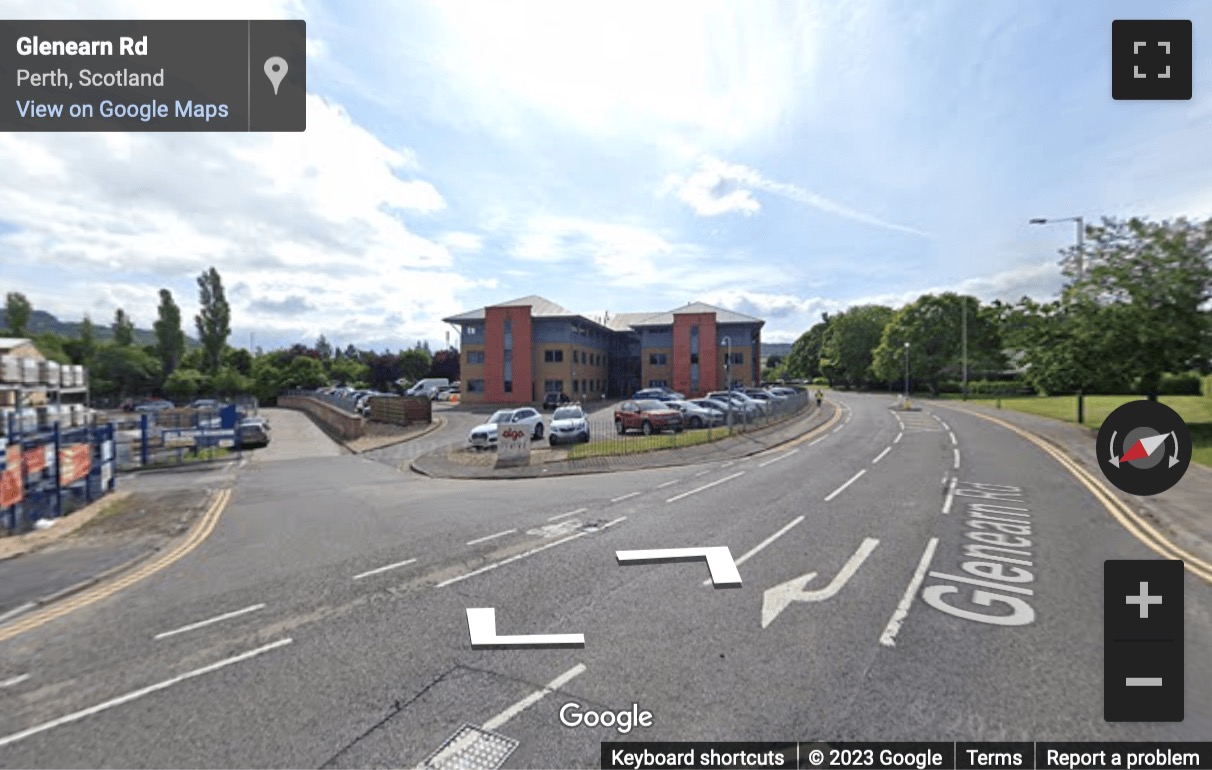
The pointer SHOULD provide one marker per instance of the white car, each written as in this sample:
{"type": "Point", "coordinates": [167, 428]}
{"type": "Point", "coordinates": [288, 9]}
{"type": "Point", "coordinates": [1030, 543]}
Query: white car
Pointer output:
{"type": "Point", "coordinates": [696, 415]}
{"type": "Point", "coordinates": [484, 436]}
{"type": "Point", "coordinates": [569, 425]}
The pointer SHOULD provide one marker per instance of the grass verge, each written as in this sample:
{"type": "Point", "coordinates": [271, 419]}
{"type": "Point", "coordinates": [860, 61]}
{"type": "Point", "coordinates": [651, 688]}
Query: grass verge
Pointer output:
{"type": "Point", "coordinates": [1196, 411]}
{"type": "Point", "coordinates": [625, 445]}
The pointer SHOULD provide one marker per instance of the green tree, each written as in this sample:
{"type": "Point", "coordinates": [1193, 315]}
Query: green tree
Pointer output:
{"type": "Point", "coordinates": [184, 384]}
{"type": "Point", "coordinates": [213, 320]}
{"type": "Point", "coordinates": [932, 325]}
{"type": "Point", "coordinates": [228, 382]}
{"type": "Point", "coordinates": [804, 361]}
{"type": "Point", "coordinates": [239, 359]}
{"type": "Point", "coordinates": [170, 338]}
{"type": "Point", "coordinates": [415, 363]}
{"type": "Point", "coordinates": [17, 312]}
{"type": "Point", "coordinates": [324, 348]}
{"type": "Point", "coordinates": [304, 372]}
{"type": "Point", "coordinates": [123, 371]}
{"type": "Point", "coordinates": [348, 370]}
{"type": "Point", "coordinates": [84, 347]}
{"type": "Point", "coordinates": [124, 328]}
{"type": "Point", "coordinates": [1151, 283]}
{"type": "Point", "coordinates": [1063, 346]}
{"type": "Point", "coordinates": [267, 379]}
{"type": "Point", "coordinates": [851, 338]}
{"type": "Point", "coordinates": [53, 346]}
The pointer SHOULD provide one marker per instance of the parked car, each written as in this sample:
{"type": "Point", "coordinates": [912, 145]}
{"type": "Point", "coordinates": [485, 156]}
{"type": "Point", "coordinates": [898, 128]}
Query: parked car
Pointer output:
{"type": "Point", "coordinates": [569, 425]}
{"type": "Point", "coordinates": [783, 391]}
{"type": "Point", "coordinates": [428, 388]}
{"type": "Point", "coordinates": [647, 416]}
{"type": "Point", "coordinates": [742, 407]}
{"type": "Point", "coordinates": [696, 415]}
{"type": "Point", "coordinates": [657, 394]}
{"type": "Point", "coordinates": [252, 431]}
{"type": "Point", "coordinates": [205, 403]}
{"type": "Point", "coordinates": [718, 405]}
{"type": "Point", "coordinates": [554, 399]}
{"type": "Point", "coordinates": [155, 405]}
{"type": "Point", "coordinates": [447, 393]}
{"type": "Point", "coordinates": [483, 436]}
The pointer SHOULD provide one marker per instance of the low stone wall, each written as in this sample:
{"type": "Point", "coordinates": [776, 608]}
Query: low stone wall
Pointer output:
{"type": "Point", "coordinates": [339, 424]}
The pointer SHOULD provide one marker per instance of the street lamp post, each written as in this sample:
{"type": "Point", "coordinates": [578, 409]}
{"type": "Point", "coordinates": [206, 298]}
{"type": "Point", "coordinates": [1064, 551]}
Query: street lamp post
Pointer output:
{"type": "Point", "coordinates": [906, 399]}
{"type": "Point", "coordinates": [1081, 273]}
{"type": "Point", "coordinates": [728, 377]}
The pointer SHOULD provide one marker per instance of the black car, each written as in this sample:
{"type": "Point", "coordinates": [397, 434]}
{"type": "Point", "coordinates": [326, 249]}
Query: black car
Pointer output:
{"type": "Point", "coordinates": [552, 400]}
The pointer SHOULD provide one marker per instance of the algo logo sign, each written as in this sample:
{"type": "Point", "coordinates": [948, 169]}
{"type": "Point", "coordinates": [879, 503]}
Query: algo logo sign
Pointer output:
{"type": "Point", "coordinates": [513, 434]}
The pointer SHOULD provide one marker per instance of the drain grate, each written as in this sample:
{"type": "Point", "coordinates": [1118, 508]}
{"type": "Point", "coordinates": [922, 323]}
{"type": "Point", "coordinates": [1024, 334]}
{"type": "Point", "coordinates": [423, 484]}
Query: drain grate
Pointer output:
{"type": "Point", "coordinates": [471, 748]}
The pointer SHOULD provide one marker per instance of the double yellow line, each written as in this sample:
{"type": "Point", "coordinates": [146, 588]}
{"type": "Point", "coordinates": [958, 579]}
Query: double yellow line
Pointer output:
{"type": "Point", "coordinates": [1137, 526]}
{"type": "Point", "coordinates": [200, 532]}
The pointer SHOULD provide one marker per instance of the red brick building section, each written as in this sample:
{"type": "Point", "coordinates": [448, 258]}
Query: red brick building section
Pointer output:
{"type": "Point", "coordinates": [682, 356]}
{"type": "Point", "coordinates": [522, 356]}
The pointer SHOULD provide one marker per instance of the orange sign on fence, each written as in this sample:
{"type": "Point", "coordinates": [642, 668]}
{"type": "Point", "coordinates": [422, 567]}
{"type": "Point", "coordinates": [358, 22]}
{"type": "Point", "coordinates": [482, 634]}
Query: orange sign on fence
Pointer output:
{"type": "Point", "coordinates": [35, 460]}
{"type": "Point", "coordinates": [74, 463]}
{"type": "Point", "coordinates": [12, 489]}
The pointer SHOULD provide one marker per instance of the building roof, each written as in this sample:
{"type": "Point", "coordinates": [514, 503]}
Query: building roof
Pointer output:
{"type": "Point", "coordinates": [540, 307]}
{"type": "Point", "coordinates": [722, 315]}
{"type": "Point", "coordinates": [8, 343]}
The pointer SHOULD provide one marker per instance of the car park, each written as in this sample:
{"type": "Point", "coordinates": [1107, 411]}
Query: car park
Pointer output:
{"type": "Point", "coordinates": [155, 405]}
{"type": "Point", "coordinates": [647, 416]}
{"type": "Point", "coordinates": [738, 396]}
{"type": "Point", "coordinates": [696, 415]}
{"type": "Point", "coordinates": [657, 394]}
{"type": "Point", "coordinates": [554, 399]}
{"type": "Point", "coordinates": [569, 425]}
{"type": "Point", "coordinates": [747, 407]}
{"type": "Point", "coordinates": [484, 436]}
{"type": "Point", "coordinates": [204, 403]}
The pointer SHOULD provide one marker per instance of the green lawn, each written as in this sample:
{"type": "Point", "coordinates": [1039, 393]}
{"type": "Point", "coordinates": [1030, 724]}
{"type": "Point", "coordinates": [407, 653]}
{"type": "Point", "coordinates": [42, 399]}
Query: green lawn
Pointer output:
{"type": "Point", "coordinates": [624, 445]}
{"type": "Point", "coordinates": [1196, 411]}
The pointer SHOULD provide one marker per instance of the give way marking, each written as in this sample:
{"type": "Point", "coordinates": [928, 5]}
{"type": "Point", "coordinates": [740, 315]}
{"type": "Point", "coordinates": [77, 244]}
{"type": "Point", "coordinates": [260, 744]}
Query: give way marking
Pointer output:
{"type": "Point", "coordinates": [780, 597]}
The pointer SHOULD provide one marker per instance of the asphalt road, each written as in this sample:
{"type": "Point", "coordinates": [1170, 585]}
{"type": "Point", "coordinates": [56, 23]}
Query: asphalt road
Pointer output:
{"type": "Point", "coordinates": [337, 590]}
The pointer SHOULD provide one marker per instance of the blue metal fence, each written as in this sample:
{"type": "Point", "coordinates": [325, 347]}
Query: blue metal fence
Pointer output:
{"type": "Point", "coordinates": [48, 473]}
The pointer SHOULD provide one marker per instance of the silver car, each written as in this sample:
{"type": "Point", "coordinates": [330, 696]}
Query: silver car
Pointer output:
{"type": "Point", "coordinates": [569, 425]}
{"type": "Point", "coordinates": [698, 415]}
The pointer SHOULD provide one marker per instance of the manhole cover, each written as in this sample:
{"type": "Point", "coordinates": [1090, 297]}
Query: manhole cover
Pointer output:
{"type": "Point", "coordinates": [471, 748]}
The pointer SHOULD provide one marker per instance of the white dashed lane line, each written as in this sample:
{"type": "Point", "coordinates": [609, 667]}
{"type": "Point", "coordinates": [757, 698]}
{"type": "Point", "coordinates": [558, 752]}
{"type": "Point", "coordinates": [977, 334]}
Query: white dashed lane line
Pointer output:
{"type": "Point", "coordinates": [377, 570]}
{"type": "Point", "coordinates": [783, 456]}
{"type": "Point", "coordinates": [209, 621]}
{"type": "Point", "coordinates": [880, 456]}
{"type": "Point", "coordinates": [702, 473]}
{"type": "Point", "coordinates": [667, 484]}
{"type": "Point", "coordinates": [130, 696]}
{"type": "Point", "coordinates": [897, 440]}
{"type": "Point", "coordinates": [566, 515]}
{"type": "Point", "coordinates": [748, 554]}
{"type": "Point", "coordinates": [952, 435]}
{"type": "Point", "coordinates": [838, 491]}
{"type": "Point", "coordinates": [705, 486]}
{"type": "Point", "coordinates": [957, 459]}
{"type": "Point", "coordinates": [888, 638]}
{"type": "Point", "coordinates": [486, 538]}
{"type": "Point", "coordinates": [524, 554]}
{"type": "Point", "coordinates": [11, 681]}
{"type": "Point", "coordinates": [950, 495]}
{"type": "Point", "coordinates": [623, 497]}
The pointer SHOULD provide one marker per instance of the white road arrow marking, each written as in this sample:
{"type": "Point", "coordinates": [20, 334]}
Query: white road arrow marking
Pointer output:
{"type": "Point", "coordinates": [781, 596]}
{"type": "Point", "coordinates": [482, 622]}
{"type": "Point", "coordinates": [719, 561]}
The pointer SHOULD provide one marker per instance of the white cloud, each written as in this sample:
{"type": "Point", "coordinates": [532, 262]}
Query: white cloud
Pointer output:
{"type": "Point", "coordinates": [717, 187]}
{"type": "Point", "coordinates": [468, 243]}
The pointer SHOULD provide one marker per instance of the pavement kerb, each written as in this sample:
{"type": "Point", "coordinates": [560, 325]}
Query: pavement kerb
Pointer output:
{"type": "Point", "coordinates": [131, 572]}
{"type": "Point", "coordinates": [76, 588]}
{"type": "Point", "coordinates": [437, 424]}
{"type": "Point", "coordinates": [808, 433]}
{"type": "Point", "coordinates": [66, 526]}
{"type": "Point", "coordinates": [1136, 525]}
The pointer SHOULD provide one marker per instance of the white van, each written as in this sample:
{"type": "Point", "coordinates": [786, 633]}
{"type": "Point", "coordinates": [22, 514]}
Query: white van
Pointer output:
{"type": "Point", "coordinates": [428, 388]}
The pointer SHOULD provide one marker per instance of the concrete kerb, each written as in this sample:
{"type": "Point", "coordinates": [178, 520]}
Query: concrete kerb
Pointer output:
{"type": "Point", "coordinates": [654, 459]}
{"type": "Point", "coordinates": [76, 588]}
{"type": "Point", "coordinates": [435, 425]}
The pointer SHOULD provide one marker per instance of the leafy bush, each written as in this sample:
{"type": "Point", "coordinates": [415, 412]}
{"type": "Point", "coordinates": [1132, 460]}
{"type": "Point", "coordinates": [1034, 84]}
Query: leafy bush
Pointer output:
{"type": "Point", "coordinates": [820, 381]}
{"type": "Point", "coordinates": [1179, 385]}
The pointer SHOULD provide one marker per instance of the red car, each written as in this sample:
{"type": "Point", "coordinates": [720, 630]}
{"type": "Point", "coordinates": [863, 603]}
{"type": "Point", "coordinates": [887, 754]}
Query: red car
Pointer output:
{"type": "Point", "coordinates": [647, 416]}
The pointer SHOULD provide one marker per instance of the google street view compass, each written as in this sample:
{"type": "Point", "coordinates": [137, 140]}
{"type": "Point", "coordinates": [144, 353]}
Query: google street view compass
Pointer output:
{"type": "Point", "coordinates": [1144, 448]}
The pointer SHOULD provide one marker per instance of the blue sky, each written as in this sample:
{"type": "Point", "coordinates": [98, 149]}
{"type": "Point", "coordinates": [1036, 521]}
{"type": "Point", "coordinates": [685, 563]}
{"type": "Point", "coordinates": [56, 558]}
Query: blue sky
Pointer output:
{"type": "Point", "coordinates": [781, 159]}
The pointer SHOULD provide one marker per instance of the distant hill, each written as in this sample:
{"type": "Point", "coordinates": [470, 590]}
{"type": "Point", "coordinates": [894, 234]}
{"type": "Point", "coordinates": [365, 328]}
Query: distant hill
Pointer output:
{"type": "Point", "coordinates": [775, 349]}
{"type": "Point", "coordinates": [41, 321]}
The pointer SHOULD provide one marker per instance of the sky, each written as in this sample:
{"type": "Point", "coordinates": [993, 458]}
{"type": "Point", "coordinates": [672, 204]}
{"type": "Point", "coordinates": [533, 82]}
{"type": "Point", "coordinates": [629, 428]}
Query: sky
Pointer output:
{"type": "Point", "coordinates": [779, 159]}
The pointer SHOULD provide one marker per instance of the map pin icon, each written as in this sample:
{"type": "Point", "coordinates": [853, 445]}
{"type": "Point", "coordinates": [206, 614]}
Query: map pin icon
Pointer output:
{"type": "Point", "coordinates": [275, 70]}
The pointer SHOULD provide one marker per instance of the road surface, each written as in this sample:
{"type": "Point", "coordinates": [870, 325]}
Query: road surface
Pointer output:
{"type": "Point", "coordinates": [324, 622]}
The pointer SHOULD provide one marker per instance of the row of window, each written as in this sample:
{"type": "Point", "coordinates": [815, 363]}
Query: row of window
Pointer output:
{"type": "Point", "coordinates": [662, 359]}
{"type": "Point", "coordinates": [597, 359]}
{"type": "Point", "coordinates": [578, 386]}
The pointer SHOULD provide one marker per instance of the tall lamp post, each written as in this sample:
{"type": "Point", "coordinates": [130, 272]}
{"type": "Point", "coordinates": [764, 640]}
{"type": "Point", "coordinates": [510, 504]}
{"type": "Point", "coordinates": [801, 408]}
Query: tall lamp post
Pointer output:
{"type": "Point", "coordinates": [1081, 273]}
{"type": "Point", "coordinates": [728, 376]}
{"type": "Point", "coordinates": [906, 372]}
